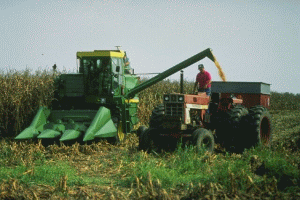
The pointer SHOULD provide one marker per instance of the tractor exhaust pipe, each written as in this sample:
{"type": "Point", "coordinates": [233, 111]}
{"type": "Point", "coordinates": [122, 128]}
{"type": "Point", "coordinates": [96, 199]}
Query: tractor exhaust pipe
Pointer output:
{"type": "Point", "coordinates": [181, 81]}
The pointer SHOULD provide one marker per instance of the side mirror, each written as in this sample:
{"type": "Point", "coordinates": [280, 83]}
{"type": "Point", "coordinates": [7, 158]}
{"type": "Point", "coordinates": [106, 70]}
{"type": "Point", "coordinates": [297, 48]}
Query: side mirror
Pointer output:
{"type": "Point", "coordinates": [118, 69]}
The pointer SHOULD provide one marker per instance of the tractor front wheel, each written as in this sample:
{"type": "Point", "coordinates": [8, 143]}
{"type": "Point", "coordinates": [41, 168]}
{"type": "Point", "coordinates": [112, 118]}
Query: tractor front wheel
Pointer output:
{"type": "Point", "coordinates": [203, 139]}
{"type": "Point", "coordinates": [148, 140]}
{"type": "Point", "coordinates": [140, 130]}
{"type": "Point", "coordinates": [156, 118]}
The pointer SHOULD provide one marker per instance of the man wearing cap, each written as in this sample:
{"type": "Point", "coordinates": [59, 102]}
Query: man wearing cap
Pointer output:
{"type": "Point", "coordinates": [203, 80]}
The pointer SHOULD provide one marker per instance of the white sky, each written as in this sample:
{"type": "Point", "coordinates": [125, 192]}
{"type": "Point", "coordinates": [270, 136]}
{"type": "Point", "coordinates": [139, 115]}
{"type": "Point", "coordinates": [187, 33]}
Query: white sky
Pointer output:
{"type": "Point", "coordinates": [253, 40]}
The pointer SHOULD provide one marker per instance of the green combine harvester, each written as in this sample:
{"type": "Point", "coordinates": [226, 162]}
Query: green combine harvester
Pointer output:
{"type": "Point", "coordinates": [100, 101]}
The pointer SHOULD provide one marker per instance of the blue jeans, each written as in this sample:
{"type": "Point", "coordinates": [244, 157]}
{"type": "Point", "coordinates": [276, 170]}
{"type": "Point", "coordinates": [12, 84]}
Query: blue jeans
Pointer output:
{"type": "Point", "coordinates": [208, 93]}
{"type": "Point", "coordinates": [207, 90]}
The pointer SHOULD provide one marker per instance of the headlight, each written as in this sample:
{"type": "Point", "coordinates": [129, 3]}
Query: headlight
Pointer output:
{"type": "Point", "coordinates": [102, 100]}
{"type": "Point", "coordinates": [166, 98]}
{"type": "Point", "coordinates": [180, 98]}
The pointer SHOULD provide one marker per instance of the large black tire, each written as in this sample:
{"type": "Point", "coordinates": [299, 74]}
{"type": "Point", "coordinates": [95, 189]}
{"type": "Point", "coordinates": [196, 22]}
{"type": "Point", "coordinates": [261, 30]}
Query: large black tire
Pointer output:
{"type": "Point", "coordinates": [156, 118]}
{"type": "Point", "coordinates": [140, 130]}
{"type": "Point", "coordinates": [148, 140]}
{"type": "Point", "coordinates": [144, 140]}
{"type": "Point", "coordinates": [257, 126]}
{"type": "Point", "coordinates": [203, 139]}
{"type": "Point", "coordinates": [228, 129]}
{"type": "Point", "coordinates": [3, 133]}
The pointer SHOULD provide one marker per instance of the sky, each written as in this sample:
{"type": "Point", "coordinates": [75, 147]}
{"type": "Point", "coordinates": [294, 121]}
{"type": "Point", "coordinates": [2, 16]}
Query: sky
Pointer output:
{"type": "Point", "coordinates": [254, 41]}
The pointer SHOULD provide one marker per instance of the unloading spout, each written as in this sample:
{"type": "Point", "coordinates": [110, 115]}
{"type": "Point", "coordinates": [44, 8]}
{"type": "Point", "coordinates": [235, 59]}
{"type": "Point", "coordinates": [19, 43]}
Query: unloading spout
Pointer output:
{"type": "Point", "coordinates": [211, 56]}
{"type": "Point", "coordinates": [171, 71]}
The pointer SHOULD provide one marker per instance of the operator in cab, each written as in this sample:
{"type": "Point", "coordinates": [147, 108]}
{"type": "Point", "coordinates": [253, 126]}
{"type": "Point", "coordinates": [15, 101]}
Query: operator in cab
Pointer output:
{"type": "Point", "coordinates": [127, 69]}
{"type": "Point", "coordinates": [203, 81]}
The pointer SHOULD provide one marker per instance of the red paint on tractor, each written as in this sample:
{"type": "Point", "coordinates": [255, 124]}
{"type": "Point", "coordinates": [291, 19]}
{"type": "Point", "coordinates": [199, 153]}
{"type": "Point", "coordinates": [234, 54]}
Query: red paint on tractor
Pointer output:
{"type": "Point", "coordinates": [200, 99]}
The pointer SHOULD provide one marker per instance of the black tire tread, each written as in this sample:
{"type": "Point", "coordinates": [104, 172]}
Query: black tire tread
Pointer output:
{"type": "Point", "coordinates": [256, 114]}
{"type": "Point", "coordinates": [143, 141]}
{"type": "Point", "coordinates": [156, 118]}
{"type": "Point", "coordinates": [228, 131]}
{"type": "Point", "coordinates": [141, 129]}
{"type": "Point", "coordinates": [199, 135]}
{"type": "Point", "coordinates": [147, 140]}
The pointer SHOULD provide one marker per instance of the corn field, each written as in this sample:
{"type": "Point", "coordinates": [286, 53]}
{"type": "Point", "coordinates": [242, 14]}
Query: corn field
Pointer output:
{"type": "Point", "coordinates": [30, 170]}
{"type": "Point", "coordinates": [22, 93]}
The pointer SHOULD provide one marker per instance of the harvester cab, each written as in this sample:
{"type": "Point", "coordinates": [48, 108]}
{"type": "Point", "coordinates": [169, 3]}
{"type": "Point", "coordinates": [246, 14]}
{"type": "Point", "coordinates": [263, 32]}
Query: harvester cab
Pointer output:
{"type": "Point", "coordinates": [104, 75]}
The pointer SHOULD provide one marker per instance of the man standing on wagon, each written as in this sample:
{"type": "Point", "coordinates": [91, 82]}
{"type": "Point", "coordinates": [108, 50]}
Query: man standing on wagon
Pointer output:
{"type": "Point", "coordinates": [203, 81]}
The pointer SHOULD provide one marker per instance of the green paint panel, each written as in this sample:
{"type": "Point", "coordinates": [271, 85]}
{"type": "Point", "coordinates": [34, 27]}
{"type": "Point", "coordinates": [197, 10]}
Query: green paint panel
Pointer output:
{"type": "Point", "coordinates": [130, 82]}
{"type": "Point", "coordinates": [56, 127]}
{"type": "Point", "coordinates": [41, 118]}
{"type": "Point", "coordinates": [101, 118]}
{"type": "Point", "coordinates": [76, 126]}
{"type": "Point", "coordinates": [108, 130]}
{"type": "Point", "coordinates": [133, 115]}
{"type": "Point", "coordinates": [49, 134]}
{"type": "Point", "coordinates": [70, 135]}
{"type": "Point", "coordinates": [37, 124]}
{"type": "Point", "coordinates": [28, 133]}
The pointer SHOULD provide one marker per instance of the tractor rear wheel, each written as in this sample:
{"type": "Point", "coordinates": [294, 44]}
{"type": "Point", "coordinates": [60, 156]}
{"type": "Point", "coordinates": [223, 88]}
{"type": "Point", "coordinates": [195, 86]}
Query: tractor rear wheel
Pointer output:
{"type": "Point", "coordinates": [258, 127]}
{"type": "Point", "coordinates": [156, 118]}
{"type": "Point", "coordinates": [148, 140]}
{"type": "Point", "coordinates": [203, 139]}
{"type": "Point", "coordinates": [228, 132]}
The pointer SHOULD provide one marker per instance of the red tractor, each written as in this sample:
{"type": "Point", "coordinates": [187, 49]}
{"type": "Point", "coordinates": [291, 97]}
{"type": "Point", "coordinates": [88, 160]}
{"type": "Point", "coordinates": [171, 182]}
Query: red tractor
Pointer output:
{"type": "Point", "coordinates": [236, 116]}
